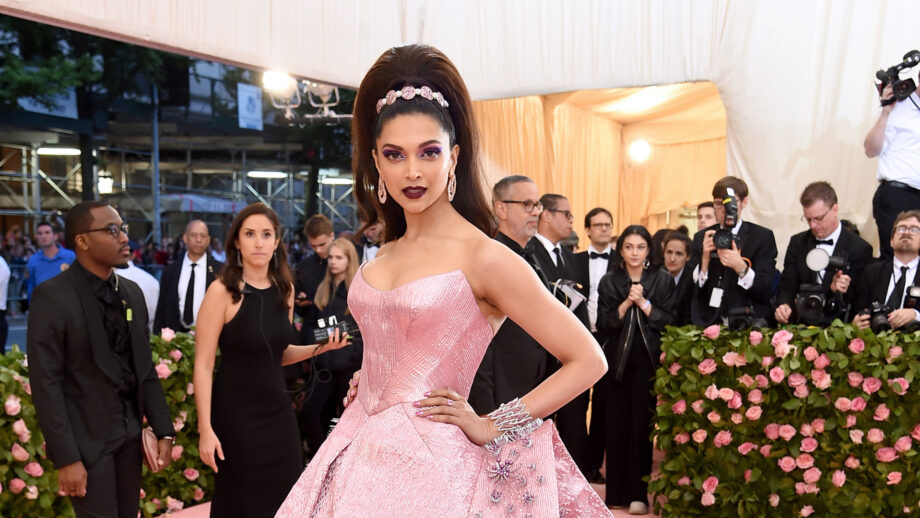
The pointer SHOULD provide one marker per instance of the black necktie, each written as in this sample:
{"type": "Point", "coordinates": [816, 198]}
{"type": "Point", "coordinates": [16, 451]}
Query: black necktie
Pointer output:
{"type": "Point", "coordinates": [188, 313]}
{"type": "Point", "coordinates": [824, 242]}
{"type": "Point", "coordinates": [559, 262]}
{"type": "Point", "coordinates": [897, 294]}
{"type": "Point", "coordinates": [595, 255]}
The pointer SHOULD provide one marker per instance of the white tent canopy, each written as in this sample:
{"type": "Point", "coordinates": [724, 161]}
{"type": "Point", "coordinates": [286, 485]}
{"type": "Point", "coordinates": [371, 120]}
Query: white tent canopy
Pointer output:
{"type": "Point", "coordinates": [796, 77]}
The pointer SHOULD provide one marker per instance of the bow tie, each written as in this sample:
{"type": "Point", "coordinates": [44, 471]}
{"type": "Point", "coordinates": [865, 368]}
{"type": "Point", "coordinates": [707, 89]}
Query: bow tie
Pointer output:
{"type": "Point", "coordinates": [824, 242]}
{"type": "Point", "coordinates": [595, 255]}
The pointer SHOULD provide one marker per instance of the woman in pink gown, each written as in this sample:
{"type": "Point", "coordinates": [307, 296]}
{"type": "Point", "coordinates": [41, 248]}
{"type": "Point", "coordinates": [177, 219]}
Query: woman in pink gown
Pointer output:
{"type": "Point", "coordinates": [428, 305]}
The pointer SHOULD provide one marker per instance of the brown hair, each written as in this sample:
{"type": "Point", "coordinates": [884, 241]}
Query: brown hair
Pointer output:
{"type": "Point", "coordinates": [676, 235]}
{"type": "Point", "coordinates": [907, 214]}
{"type": "Point", "coordinates": [416, 65]}
{"type": "Point", "coordinates": [317, 225]}
{"type": "Point", "coordinates": [720, 189]}
{"type": "Point", "coordinates": [279, 273]}
{"type": "Point", "coordinates": [818, 191]}
{"type": "Point", "coordinates": [326, 291]}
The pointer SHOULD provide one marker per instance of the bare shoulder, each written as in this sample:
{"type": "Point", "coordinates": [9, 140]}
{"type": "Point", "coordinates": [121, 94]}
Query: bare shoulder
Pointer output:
{"type": "Point", "coordinates": [384, 249]}
{"type": "Point", "coordinates": [490, 263]}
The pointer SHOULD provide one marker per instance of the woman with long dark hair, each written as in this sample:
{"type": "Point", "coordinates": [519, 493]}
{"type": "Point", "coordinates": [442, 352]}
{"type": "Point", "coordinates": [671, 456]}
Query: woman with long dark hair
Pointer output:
{"type": "Point", "coordinates": [248, 433]}
{"type": "Point", "coordinates": [634, 305]}
{"type": "Point", "coordinates": [428, 305]}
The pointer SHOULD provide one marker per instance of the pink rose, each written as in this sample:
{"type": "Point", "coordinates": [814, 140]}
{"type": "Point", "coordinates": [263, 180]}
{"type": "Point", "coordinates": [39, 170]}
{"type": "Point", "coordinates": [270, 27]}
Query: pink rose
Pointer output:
{"type": "Point", "coordinates": [34, 469]}
{"type": "Point", "coordinates": [17, 485]}
{"type": "Point", "coordinates": [903, 444]}
{"type": "Point", "coordinates": [698, 406]}
{"type": "Point", "coordinates": [807, 510]}
{"type": "Point", "coordinates": [143, 494]}
{"type": "Point", "coordinates": [173, 504]}
{"type": "Point", "coordinates": [894, 352]}
{"type": "Point", "coordinates": [755, 396]}
{"type": "Point", "coordinates": [875, 436]}
{"type": "Point", "coordinates": [175, 354]}
{"type": "Point", "coordinates": [850, 422]}
{"type": "Point", "coordinates": [818, 425]}
{"type": "Point", "coordinates": [811, 354]}
{"type": "Point", "coordinates": [762, 381]}
{"type": "Point", "coordinates": [854, 378]}
{"type": "Point", "coordinates": [674, 369]}
{"type": "Point", "coordinates": [723, 438]}
{"type": "Point", "coordinates": [755, 338]}
{"type": "Point", "coordinates": [786, 464]}
{"type": "Point", "coordinates": [707, 499]}
{"type": "Point", "coordinates": [777, 374]}
{"type": "Point", "coordinates": [714, 417]}
{"type": "Point", "coordinates": [726, 394]}
{"type": "Point", "coordinates": [746, 447]}
{"type": "Point", "coordinates": [881, 413]}
{"type": "Point", "coordinates": [711, 332]}
{"type": "Point", "coordinates": [191, 474]}
{"type": "Point", "coordinates": [21, 430]}
{"type": "Point", "coordinates": [32, 492]}
{"type": "Point", "coordinates": [765, 450]}
{"type": "Point", "coordinates": [746, 380]}
{"type": "Point", "coordinates": [811, 475]}
{"type": "Point", "coordinates": [915, 433]}
{"type": "Point", "coordinates": [894, 478]}
{"type": "Point", "coordinates": [176, 452]}
{"type": "Point", "coordinates": [771, 431]}
{"type": "Point", "coordinates": [19, 453]}
{"type": "Point", "coordinates": [774, 500]}
{"type": "Point", "coordinates": [199, 494]}
{"type": "Point", "coordinates": [821, 362]}
{"type": "Point", "coordinates": [163, 371]}
{"type": "Point", "coordinates": [753, 413]}
{"type": "Point", "coordinates": [797, 380]}
{"type": "Point", "coordinates": [839, 478]}
{"type": "Point", "coordinates": [766, 361]}
{"type": "Point", "coordinates": [12, 405]}
{"type": "Point", "coordinates": [747, 475]}
{"type": "Point", "coordinates": [735, 402]}
{"type": "Point", "coordinates": [190, 389]}
{"type": "Point", "coordinates": [737, 418]}
{"type": "Point", "coordinates": [781, 350]}
{"type": "Point", "coordinates": [710, 484]}
{"type": "Point", "coordinates": [680, 407]}
{"type": "Point", "coordinates": [682, 438]}
{"type": "Point", "coordinates": [886, 455]}
{"type": "Point", "coordinates": [781, 336]}
{"type": "Point", "coordinates": [821, 379]}
{"type": "Point", "coordinates": [801, 392]}
{"type": "Point", "coordinates": [851, 462]}
{"type": "Point", "coordinates": [859, 404]}
{"type": "Point", "coordinates": [857, 345]}
{"type": "Point", "coordinates": [730, 359]}
{"type": "Point", "coordinates": [871, 385]}
{"type": "Point", "coordinates": [661, 356]}
{"type": "Point", "coordinates": [712, 392]}
{"type": "Point", "coordinates": [843, 404]}
{"type": "Point", "coordinates": [699, 436]}
{"type": "Point", "coordinates": [806, 430]}
{"type": "Point", "coordinates": [800, 488]}
{"type": "Point", "coordinates": [167, 334]}
{"type": "Point", "coordinates": [804, 461]}
{"type": "Point", "coordinates": [809, 444]}
{"type": "Point", "coordinates": [857, 436]}
{"type": "Point", "coordinates": [899, 386]}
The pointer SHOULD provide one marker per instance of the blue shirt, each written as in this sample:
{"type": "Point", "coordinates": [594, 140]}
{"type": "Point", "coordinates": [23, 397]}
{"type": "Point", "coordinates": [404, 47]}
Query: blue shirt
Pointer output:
{"type": "Point", "coordinates": [41, 268]}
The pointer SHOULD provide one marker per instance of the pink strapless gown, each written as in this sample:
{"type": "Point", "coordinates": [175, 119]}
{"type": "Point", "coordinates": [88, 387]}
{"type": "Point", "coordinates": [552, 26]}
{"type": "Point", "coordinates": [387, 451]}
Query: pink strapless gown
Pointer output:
{"type": "Point", "coordinates": [382, 460]}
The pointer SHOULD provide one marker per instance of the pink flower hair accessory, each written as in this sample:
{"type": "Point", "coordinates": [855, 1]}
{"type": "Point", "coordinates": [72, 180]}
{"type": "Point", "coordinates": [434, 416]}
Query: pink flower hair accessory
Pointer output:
{"type": "Point", "coordinates": [409, 92]}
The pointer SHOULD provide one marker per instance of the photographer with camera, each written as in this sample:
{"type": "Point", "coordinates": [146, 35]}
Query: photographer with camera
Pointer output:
{"type": "Point", "coordinates": [883, 293]}
{"type": "Point", "coordinates": [736, 263]}
{"type": "Point", "coordinates": [818, 297]}
{"type": "Point", "coordinates": [895, 140]}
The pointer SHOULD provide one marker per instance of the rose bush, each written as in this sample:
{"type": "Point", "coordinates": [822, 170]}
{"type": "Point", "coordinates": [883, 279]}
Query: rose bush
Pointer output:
{"type": "Point", "coordinates": [824, 421]}
{"type": "Point", "coordinates": [28, 480]}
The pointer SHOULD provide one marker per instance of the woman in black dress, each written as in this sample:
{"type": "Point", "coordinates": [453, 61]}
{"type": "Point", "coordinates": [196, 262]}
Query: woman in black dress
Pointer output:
{"type": "Point", "coordinates": [248, 432]}
{"type": "Point", "coordinates": [634, 305]}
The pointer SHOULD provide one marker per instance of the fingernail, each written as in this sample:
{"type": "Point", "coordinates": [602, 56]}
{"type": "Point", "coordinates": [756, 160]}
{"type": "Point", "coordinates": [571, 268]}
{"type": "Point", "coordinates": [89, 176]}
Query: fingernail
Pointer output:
{"type": "Point", "coordinates": [416, 403]}
{"type": "Point", "coordinates": [420, 413]}
{"type": "Point", "coordinates": [429, 417]}
{"type": "Point", "coordinates": [351, 392]}
{"type": "Point", "coordinates": [354, 383]}
{"type": "Point", "coordinates": [427, 393]}
{"type": "Point", "coordinates": [450, 402]}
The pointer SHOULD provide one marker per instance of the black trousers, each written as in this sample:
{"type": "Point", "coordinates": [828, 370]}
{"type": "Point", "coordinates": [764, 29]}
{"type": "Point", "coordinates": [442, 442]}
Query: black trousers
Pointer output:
{"type": "Point", "coordinates": [888, 202]}
{"type": "Point", "coordinates": [113, 482]}
{"type": "Point", "coordinates": [629, 416]}
{"type": "Point", "coordinates": [4, 330]}
{"type": "Point", "coordinates": [597, 430]}
{"type": "Point", "coordinates": [323, 404]}
{"type": "Point", "coordinates": [572, 423]}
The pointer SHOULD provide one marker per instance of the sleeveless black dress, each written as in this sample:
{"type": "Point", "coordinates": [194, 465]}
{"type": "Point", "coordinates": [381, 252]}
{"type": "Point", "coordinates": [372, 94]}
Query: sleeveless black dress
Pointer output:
{"type": "Point", "coordinates": [251, 413]}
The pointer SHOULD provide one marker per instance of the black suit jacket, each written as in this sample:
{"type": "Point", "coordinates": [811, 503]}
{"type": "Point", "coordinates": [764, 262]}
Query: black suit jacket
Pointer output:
{"type": "Point", "coordinates": [568, 270]}
{"type": "Point", "coordinates": [168, 312]}
{"type": "Point", "coordinates": [873, 285]}
{"type": "Point", "coordinates": [75, 374]}
{"type": "Point", "coordinates": [683, 296]}
{"type": "Point", "coordinates": [795, 272]}
{"type": "Point", "coordinates": [758, 245]}
{"type": "Point", "coordinates": [307, 276]}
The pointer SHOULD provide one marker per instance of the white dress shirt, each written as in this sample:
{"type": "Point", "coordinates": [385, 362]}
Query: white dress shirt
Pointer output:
{"type": "Point", "coordinates": [899, 160]}
{"type": "Point", "coordinates": [370, 252]}
{"type": "Point", "coordinates": [4, 285]}
{"type": "Point", "coordinates": [829, 248]}
{"type": "Point", "coordinates": [597, 268]}
{"type": "Point", "coordinates": [148, 285]}
{"type": "Point", "coordinates": [908, 280]}
{"type": "Point", "coordinates": [745, 282]}
{"type": "Point", "coordinates": [201, 272]}
{"type": "Point", "coordinates": [550, 247]}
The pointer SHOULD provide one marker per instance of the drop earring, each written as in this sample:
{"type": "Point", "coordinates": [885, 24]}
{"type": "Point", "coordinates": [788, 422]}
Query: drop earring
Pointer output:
{"type": "Point", "coordinates": [239, 258]}
{"type": "Point", "coordinates": [275, 259]}
{"type": "Point", "coordinates": [381, 191]}
{"type": "Point", "coordinates": [451, 187]}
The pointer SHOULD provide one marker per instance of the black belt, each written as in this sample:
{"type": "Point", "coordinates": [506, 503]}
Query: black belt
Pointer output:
{"type": "Point", "coordinates": [900, 185]}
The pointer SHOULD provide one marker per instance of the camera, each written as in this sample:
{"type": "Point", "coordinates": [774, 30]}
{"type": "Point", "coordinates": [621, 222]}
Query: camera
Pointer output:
{"type": "Point", "coordinates": [878, 317]}
{"type": "Point", "coordinates": [740, 319]}
{"type": "Point", "coordinates": [912, 297]}
{"type": "Point", "coordinates": [723, 238]}
{"type": "Point", "coordinates": [815, 307]}
{"type": "Point", "coordinates": [902, 88]}
{"type": "Point", "coordinates": [810, 303]}
{"type": "Point", "coordinates": [326, 328]}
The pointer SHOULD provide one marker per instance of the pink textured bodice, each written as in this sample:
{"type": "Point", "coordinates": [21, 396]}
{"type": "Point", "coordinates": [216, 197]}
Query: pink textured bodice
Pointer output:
{"type": "Point", "coordinates": [382, 460]}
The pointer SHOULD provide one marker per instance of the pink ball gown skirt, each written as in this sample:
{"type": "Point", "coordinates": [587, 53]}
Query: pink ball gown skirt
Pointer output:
{"type": "Point", "coordinates": [382, 460]}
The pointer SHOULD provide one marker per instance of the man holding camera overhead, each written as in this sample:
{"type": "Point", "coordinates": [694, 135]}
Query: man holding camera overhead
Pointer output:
{"type": "Point", "coordinates": [736, 263]}
{"type": "Point", "coordinates": [885, 286]}
{"type": "Point", "coordinates": [818, 297]}
{"type": "Point", "coordinates": [895, 140]}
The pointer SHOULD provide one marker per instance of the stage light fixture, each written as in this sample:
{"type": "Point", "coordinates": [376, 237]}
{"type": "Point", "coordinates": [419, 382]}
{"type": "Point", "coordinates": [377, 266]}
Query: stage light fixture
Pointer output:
{"type": "Point", "coordinates": [639, 151]}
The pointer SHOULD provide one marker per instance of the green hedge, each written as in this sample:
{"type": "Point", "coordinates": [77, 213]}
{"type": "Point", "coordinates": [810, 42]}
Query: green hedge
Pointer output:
{"type": "Point", "coordinates": [29, 486]}
{"type": "Point", "coordinates": [790, 422]}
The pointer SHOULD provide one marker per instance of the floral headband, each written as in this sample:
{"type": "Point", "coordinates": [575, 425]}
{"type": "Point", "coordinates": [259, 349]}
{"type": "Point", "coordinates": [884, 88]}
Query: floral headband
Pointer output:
{"type": "Point", "coordinates": [408, 92]}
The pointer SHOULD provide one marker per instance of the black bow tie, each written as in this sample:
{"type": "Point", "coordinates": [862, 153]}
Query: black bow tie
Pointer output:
{"type": "Point", "coordinates": [824, 242]}
{"type": "Point", "coordinates": [595, 255]}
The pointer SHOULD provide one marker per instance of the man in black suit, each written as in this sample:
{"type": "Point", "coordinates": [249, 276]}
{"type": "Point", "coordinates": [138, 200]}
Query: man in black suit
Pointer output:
{"type": "Point", "coordinates": [591, 265]}
{"type": "Point", "coordinates": [557, 262]}
{"type": "Point", "coordinates": [886, 281]}
{"type": "Point", "coordinates": [820, 211]}
{"type": "Point", "coordinates": [514, 363]}
{"type": "Point", "coordinates": [311, 270]}
{"type": "Point", "coordinates": [92, 374]}
{"type": "Point", "coordinates": [185, 282]}
{"type": "Point", "coordinates": [733, 279]}
{"type": "Point", "coordinates": [677, 248]}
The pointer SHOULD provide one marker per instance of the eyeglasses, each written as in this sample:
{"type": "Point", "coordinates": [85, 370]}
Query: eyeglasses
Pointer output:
{"type": "Point", "coordinates": [111, 228]}
{"type": "Point", "coordinates": [817, 219]}
{"type": "Point", "coordinates": [568, 214]}
{"type": "Point", "coordinates": [529, 205]}
{"type": "Point", "coordinates": [901, 229]}
{"type": "Point", "coordinates": [602, 225]}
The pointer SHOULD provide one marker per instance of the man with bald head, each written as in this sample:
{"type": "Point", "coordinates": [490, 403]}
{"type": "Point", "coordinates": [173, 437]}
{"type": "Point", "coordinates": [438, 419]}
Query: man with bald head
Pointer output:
{"type": "Point", "coordinates": [184, 282]}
